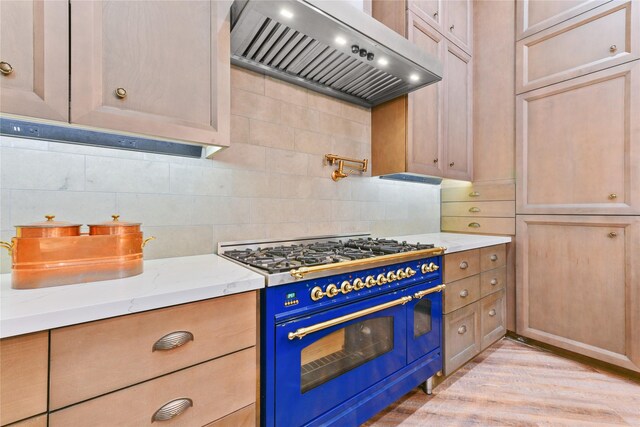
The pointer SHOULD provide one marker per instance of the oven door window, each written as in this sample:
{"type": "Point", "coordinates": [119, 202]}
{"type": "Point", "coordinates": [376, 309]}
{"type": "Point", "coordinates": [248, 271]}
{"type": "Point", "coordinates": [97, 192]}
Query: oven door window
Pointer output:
{"type": "Point", "coordinates": [424, 321]}
{"type": "Point", "coordinates": [344, 350]}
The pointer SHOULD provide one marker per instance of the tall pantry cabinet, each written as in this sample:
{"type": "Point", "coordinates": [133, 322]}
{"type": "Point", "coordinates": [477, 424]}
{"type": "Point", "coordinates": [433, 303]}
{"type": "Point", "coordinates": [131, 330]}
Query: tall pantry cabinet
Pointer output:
{"type": "Point", "coordinates": [578, 177]}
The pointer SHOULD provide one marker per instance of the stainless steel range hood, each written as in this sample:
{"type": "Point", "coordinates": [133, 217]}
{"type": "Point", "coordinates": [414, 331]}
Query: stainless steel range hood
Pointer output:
{"type": "Point", "coordinates": [330, 47]}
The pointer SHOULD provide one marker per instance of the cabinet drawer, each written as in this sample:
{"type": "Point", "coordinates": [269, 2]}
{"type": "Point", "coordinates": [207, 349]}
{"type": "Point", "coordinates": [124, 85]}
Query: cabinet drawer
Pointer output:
{"type": "Point", "coordinates": [94, 358]}
{"type": "Point", "coordinates": [245, 417]}
{"type": "Point", "coordinates": [215, 388]}
{"type": "Point", "coordinates": [461, 293]}
{"type": "Point", "coordinates": [493, 257]}
{"type": "Point", "coordinates": [459, 265]}
{"type": "Point", "coordinates": [492, 318]}
{"type": "Point", "coordinates": [481, 209]}
{"type": "Point", "coordinates": [479, 225]}
{"type": "Point", "coordinates": [479, 192]}
{"type": "Point", "coordinates": [492, 280]}
{"type": "Point", "coordinates": [461, 336]}
{"type": "Point", "coordinates": [23, 376]}
{"type": "Point", "coordinates": [605, 36]}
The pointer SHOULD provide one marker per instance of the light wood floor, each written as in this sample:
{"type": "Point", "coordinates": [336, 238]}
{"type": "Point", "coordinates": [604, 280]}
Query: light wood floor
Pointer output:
{"type": "Point", "coordinates": [512, 384]}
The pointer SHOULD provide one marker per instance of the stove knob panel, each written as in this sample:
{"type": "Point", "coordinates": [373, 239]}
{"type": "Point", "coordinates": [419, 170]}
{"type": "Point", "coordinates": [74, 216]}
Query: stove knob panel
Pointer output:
{"type": "Point", "coordinates": [332, 291]}
{"type": "Point", "coordinates": [401, 274]}
{"type": "Point", "coordinates": [316, 293]}
{"type": "Point", "coordinates": [346, 287]}
{"type": "Point", "coordinates": [410, 272]}
{"type": "Point", "coordinates": [358, 284]}
{"type": "Point", "coordinates": [381, 280]}
{"type": "Point", "coordinates": [391, 277]}
{"type": "Point", "coordinates": [370, 281]}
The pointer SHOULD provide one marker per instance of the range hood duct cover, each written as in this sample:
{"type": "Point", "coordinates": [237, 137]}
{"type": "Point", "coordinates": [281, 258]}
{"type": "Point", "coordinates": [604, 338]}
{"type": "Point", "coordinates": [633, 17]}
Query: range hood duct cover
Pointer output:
{"type": "Point", "coordinates": [311, 43]}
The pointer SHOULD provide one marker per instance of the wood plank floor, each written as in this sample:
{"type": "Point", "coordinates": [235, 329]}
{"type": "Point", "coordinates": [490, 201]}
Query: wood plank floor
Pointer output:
{"type": "Point", "coordinates": [512, 384]}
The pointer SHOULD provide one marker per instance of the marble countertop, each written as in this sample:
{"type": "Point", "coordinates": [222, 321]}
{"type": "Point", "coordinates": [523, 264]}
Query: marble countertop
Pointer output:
{"type": "Point", "coordinates": [165, 282]}
{"type": "Point", "coordinates": [455, 242]}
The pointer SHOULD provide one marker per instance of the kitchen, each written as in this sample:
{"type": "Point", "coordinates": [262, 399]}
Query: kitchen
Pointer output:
{"type": "Point", "coordinates": [264, 177]}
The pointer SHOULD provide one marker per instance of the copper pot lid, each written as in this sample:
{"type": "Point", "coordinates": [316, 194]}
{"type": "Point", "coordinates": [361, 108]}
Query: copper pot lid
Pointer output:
{"type": "Point", "coordinates": [115, 222]}
{"type": "Point", "coordinates": [49, 223]}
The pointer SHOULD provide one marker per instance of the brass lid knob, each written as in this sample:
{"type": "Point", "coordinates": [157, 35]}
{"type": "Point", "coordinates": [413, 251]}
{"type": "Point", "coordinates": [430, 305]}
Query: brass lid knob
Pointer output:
{"type": "Point", "coordinates": [5, 68]}
{"type": "Point", "coordinates": [115, 217]}
{"type": "Point", "coordinates": [121, 92]}
{"type": "Point", "coordinates": [50, 217]}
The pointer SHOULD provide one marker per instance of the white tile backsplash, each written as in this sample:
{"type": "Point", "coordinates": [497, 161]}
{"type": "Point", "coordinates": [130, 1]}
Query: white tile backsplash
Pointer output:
{"type": "Point", "coordinates": [271, 182]}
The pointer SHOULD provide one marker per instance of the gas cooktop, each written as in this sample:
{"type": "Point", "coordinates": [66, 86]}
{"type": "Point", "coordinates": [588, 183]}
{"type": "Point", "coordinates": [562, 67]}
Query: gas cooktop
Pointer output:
{"type": "Point", "coordinates": [277, 259]}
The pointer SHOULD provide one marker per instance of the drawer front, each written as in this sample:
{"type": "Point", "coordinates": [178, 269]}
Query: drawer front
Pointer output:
{"type": "Point", "coordinates": [39, 421]}
{"type": "Point", "coordinates": [479, 192]}
{"type": "Point", "coordinates": [493, 257]}
{"type": "Point", "coordinates": [461, 336]}
{"type": "Point", "coordinates": [492, 310]}
{"type": "Point", "coordinates": [606, 36]}
{"type": "Point", "coordinates": [23, 376]}
{"type": "Point", "coordinates": [459, 265]}
{"type": "Point", "coordinates": [481, 209]}
{"type": "Point", "coordinates": [492, 281]}
{"type": "Point", "coordinates": [479, 225]}
{"type": "Point", "coordinates": [245, 417]}
{"type": "Point", "coordinates": [461, 293]}
{"type": "Point", "coordinates": [94, 358]}
{"type": "Point", "coordinates": [216, 388]}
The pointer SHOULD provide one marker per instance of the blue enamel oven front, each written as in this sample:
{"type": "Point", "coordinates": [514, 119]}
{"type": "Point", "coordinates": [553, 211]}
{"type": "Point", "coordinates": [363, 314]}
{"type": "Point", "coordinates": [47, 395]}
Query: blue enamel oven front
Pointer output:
{"type": "Point", "coordinates": [370, 349]}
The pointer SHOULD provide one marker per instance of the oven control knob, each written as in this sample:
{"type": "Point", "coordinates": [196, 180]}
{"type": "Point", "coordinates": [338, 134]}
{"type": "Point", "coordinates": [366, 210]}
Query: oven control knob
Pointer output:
{"type": "Point", "coordinates": [425, 269]}
{"type": "Point", "coordinates": [332, 291]}
{"type": "Point", "coordinates": [370, 281]}
{"type": "Point", "coordinates": [316, 293]}
{"type": "Point", "coordinates": [381, 280]}
{"type": "Point", "coordinates": [401, 274]}
{"type": "Point", "coordinates": [346, 287]}
{"type": "Point", "coordinates": [434, 267]}
{"type": "Point", "coordinates": [410, 272]}
{"type": "Point", "coordinates": [391, 277]}
{"type": "Point", "coordinates": [358, 284]}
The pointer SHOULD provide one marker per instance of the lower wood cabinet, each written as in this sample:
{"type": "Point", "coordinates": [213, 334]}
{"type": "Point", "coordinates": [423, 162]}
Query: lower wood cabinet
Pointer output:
{"type": "Point", "coordinates": [461, 337]}
{"type": "Point", "coordinates": [492, 311]}
{"type": "Point", "coordinates": [578, 284]}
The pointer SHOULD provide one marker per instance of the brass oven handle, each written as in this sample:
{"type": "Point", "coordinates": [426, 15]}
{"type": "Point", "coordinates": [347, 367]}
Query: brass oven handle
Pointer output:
{"type": "Point", "coordinates": [172, 340]}
{"type": "Point", "coordinates": [299, 273]}
{"type": "Point", "coordinates": [145, 241]}
{"type": "Point", "coordinates": [8, 246]}
{"type": "Point", "coordinates": [172, 409]}
{"type": "Point", "coordinates": [439, 288]}
{"type": "Point", "coordinates": [303, 332]}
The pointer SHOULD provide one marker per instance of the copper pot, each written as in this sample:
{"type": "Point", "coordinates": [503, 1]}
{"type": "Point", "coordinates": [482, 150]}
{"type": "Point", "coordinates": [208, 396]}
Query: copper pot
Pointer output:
{"type": "Point", "coordinates": [48, 228]}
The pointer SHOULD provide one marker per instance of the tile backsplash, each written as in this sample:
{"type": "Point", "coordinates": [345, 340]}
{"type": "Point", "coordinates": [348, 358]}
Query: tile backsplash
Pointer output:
{"type": "Point", "coordinates": [271, 181]}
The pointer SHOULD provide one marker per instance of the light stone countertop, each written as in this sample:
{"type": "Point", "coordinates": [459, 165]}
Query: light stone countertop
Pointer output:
{"type": "Point", "coordinates": [165, 282]}
{"type": "Point", "coordinates": [455, 242]}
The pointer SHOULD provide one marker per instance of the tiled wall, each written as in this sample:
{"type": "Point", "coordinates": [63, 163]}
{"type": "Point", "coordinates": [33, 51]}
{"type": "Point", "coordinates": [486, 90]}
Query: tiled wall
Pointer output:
{"type": "Point", "coordinates": [271, 182]}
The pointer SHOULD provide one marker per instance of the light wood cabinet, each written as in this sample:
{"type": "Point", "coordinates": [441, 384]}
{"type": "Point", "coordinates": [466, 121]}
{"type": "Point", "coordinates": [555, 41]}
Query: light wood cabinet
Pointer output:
{"type": "Point", "coordinates": [458, 23]}
{"type": "Point", "coordinates": [24, 365]}
{"type": "Point", "coordinates": [492, 319]}
{"type": "Point", "coordinates": [430, 11]}
{"type": "Point", "coordinates": [504, 226]}
{"type": "Point", "coordinates": [579, 284]}
{"type": "Point", "coordinates": [605, 36]}
{"type": "Point", "coordinates": [462, 337]}
{"type": "Point", "coordinates": [158, 69]}
{"type": "Point", "coordinates": [34, 50]}
{"type": "Point", "coordinates": [578, 145]}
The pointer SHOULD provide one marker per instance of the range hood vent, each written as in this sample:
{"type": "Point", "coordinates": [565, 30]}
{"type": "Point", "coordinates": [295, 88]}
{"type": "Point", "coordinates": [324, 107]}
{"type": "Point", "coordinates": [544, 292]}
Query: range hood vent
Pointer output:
{"type": "Point", "coordinates": [329, 47]}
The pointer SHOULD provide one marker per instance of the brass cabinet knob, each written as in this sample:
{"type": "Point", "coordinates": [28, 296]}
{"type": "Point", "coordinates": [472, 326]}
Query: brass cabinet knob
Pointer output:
{"type": "Point", "coordinates": [613, 234]}
{"type": "Point", "coordinates": [451, 28]}
{"type": "Point", "coordinates": [464, 265]}
{"type": "Point", "coordinates": [121, 92]}
{"type": "Point", "coordinates": [435, 14]}
{"type": "Point", "coordinates": [492, 312]}
{"type": "Point", "coordinates": [316, 293]}
{"type": "Point", "coordinates": [462, 329]}
{"type": "Point", "coordinates": [494, 257]}
{"type": "Point", "coordinates": [464, 293]}
{"type": "Point", "coordinates": [346, 287]}
{"type": "Point", "coordinates": [474, 225]}
{"type": "Point", "coordinates": [474, 210]}
{"type": "Point", "coordinates": [332, 291]}
{"type": "Point", "coordinates": [6, 68]}
{"type": "Point", "coordinates": [358, 284]}
{"type": "Point", "coordinates": [451, 164]}
{"type": "Point", "coordinates": [435, 161]}
{"type": "Point", "coordinates": [494, 282]}
{"type": "Point", "coordinates": [613, 196]}
{"type": "Point", "coordinates": [474, 194]}
{"type": "Point", "coordinates": [613, 48]}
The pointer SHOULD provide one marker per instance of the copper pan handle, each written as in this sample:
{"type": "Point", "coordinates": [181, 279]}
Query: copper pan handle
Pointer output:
{"type": "Point", "coordinates": [8, 246]}
{"type": "Point", "coordinates": [147, 240]}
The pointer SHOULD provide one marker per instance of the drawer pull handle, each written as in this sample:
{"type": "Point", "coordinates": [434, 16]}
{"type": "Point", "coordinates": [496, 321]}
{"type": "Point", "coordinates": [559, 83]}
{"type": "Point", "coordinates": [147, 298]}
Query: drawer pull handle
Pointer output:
{"type": "Point", "coordinates": [474, 194]}
{"type": "Point", "coordinates": [464, 265]}
{"type": "Point", "coordinates": [494, 282]}
{"type": "Point", "coordinates": [613, 48]}
{"type": "Point", "coordinates": [464, 293]}
{"type": "Point", "coordinates": [5, 68]}
{"type": "Point", "coordinates": [462, 329]}
{"type": "Point", "coordinates": [435, 14]}
{"type": "Point", "coordinates": [474, 210]}
{"type": "Point", "coordinates": [494, 257]}
{"type": "Point", "coordinates": [172, 409]}
{"type": "Point", "coordinates": [121, 92]}
{"type": "Point", "coordinates": [452, 164]}
{"type": "Point", "coordinates": [435, 161]}
{"type": "Point", "coordinates": [492, 312]}
{"type": "Point", "coordinates": [451, 28]}
{"type": "Point", "coordinates": [613, 234]}
{"type": "Point", "coordinates": [613, 196]}
{"type": "Point", "coordinates": [172, 340]}
{"type": "Point", "coordinates": [474, 225]}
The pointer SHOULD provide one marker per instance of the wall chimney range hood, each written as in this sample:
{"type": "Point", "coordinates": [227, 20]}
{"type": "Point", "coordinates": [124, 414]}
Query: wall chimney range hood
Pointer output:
{"type": "Point", "coordinates": [329, 47]}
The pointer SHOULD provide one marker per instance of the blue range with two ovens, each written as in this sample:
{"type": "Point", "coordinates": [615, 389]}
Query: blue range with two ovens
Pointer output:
{"type": "Point", "coordinates": [349, 324]}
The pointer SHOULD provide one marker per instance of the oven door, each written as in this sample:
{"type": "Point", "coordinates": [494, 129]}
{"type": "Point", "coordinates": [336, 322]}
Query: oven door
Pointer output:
{"type": "Point", "coordinates": [424, 320]}
{"type": "Point", "coordinates": [326, 358]}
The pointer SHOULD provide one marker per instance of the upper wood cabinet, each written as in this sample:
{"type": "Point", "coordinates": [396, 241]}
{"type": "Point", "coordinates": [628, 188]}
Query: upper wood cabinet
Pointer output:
{"type": "Point", "coordinates": [578, 284]}
{"type": "Point", "coordinates": [154, 68]}
{"type": "Point", "coordinates": [578, 145]}
{"type": "Point", "coordinates": [430, 11]}
{"type": "Point", "coordinates": [458, 21]}
{"type": "Point", "coordinates": [536, 15]}
{"type": "Point", "coordinates": [595, 40]}
{"type": "Point", "coordinates": [34, 50]}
